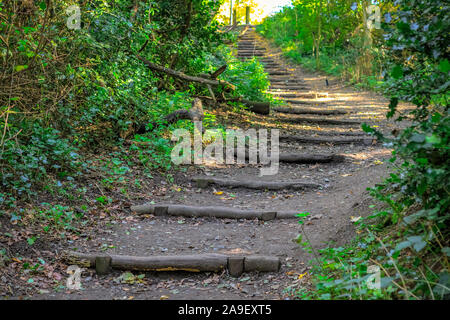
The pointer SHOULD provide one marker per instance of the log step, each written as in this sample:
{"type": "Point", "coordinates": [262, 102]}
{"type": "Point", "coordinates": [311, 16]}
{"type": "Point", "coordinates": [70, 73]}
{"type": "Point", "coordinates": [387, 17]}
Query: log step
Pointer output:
{"type": "Point", "coordinates": [321, 121]}
{"type": "Point", "coordinates": [236, 265]}
{"type": "Point", "coordinates": [298, 158]}
{"type": "Point", "coordinates": [257, 107]}
{"type": "Point", "coordinates": [300, 95]}
{"type": "Point", "coordinates": [204, 182]}
{"type": "Point", "coordinates": [322, 140]}
{"type": "Point", "coordinates": [304, 101]}
{"type": "Point", "coordinates": [323, 112]}
{"type": "Point", "coordinates": [310, 158]}
{"type": "Point", "coordinates": [192, 211]}
{"type": "Point", "coordinates": [278, 73]}
{"type": "Point", "coordinates": [250, 55]}
{"type": "Point", "coordinates": [251, 51]}
{"type": "Point", "coordinates": [277, 86]}
{"type": "Point", "coordinates": [285, 82]}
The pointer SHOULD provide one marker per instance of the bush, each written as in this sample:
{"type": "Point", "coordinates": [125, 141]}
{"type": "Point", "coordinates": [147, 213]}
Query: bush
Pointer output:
{"type": "Point", "coordinates": [27, 162]}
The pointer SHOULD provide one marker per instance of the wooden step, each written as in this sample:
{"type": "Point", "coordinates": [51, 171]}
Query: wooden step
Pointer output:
{"type": "Point", "coordinates": [210, 262]}
{"type": "Point", "coordinates": [300, 95]}
{"type": "Point", "coordinates": [204, 182]}
{"type": "Point", "coordinates": [323, 112]}
{"type": "Point", "coordinates": [299, 158]}
{"type": "Point", "coordinates": [321, 121]}
{"type": "Point", "coordinates": [328, 140]}
{"type": "Point", "coordinates": [290, 87]}
{"type": "Point", "coordinates": [308, 102]}
{"type": "Point", "coordinates": [197, 211]}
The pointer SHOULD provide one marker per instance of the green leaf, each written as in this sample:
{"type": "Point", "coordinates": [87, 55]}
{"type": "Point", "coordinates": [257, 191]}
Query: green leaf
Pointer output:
{"type": "Point", "coordinates": [21, 67]}
{"type": "Point", "coordinates": [422, 160]}
{"type": "Point", "coordinates": [444, 66]}
{"type": "Point", "coordinates": [446, 250]}
{"type": "Point", "coordinates": [397, 72]}
{"type": "Point", "coordinates": [31, 241]}
{"type": "Point", "coordinates": [418, 138]}
{"type": "Point", "coordinates": [417, 242]}
{"type": "Point", "coordinates": [433, 139]}
{"type": "Point", "coordinates": [402, 245]}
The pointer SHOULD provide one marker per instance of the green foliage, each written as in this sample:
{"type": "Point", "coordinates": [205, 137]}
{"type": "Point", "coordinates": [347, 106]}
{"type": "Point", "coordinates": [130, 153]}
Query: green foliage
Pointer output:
{"type": "Point", "coordinates": [248, 76]}
{"type": "Point", "coordinates": [59, 217]}
{"type": "Point", "coordinates": [68, 91]}
{"type": "Point", "coordinates": [330, 36]}
{"type": "Point", "coordinates": [42, 152]}
{"type": "Point", "coordinates": [409, 239]}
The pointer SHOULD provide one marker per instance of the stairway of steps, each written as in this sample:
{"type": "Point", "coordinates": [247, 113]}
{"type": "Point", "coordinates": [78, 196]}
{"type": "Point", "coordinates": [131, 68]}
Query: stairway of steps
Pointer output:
{"type": "Point", "coordinates": [315, 142]}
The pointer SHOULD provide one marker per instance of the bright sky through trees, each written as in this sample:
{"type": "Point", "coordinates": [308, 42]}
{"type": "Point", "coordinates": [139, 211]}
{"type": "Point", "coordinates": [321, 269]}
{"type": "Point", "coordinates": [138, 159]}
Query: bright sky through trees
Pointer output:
{"type": "Point", "coordinates": [260, 9]}
{"type": "Point", "coordinates": [272, 6]}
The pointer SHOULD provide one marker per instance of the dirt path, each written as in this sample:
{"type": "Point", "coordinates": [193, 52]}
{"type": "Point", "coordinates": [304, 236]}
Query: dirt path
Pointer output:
{"type": "Point", "coordinates": [341, 196]}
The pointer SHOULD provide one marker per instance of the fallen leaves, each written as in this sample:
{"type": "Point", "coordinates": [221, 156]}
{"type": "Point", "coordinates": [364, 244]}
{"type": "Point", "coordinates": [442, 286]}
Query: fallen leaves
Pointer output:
{"type": "Point", "coordinates": [130, 278]}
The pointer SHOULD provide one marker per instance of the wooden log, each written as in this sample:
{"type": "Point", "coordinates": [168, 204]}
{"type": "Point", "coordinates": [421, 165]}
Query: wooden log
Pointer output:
{"type": "Point", "coordinates": [250, 49]}
{"type": "Point", "coordinates": [299, 158]}
{"type": "Point", "coordinates": [272, 65]}
{"type": "Point", "coordinates": [289, 87]}
{"type": "Point", "coordinates": [257, 107]}
{"type": "Point", "coordinates": [250, 55]}
{"type": "Point", "coordinates": [286, 81]}
{"type": "Point", "coordinates": [360, 134]}
{"type": "Point", "coordinates": [236, 266]}
{"type": "Point", "coordinates": [301, 95]}
{"type": "Point", "coordinates": [288, 215]}
{"type": "Point", "coordinates": [323, 112]}
{"type": "Point", "coordinates": [215, 212]}
{"type": "Point", "coordinates": [203, 182]}
{"type": "Point", "coordinates": [102, 264]}
{"type": "Point", "coordinates": [310, 158]}
{"type": "Point", "coordinates": [304, 102]}
{"type": "Point", "coordinates": [278, 73]}
{"type": "Point", "coordinates": [219, 71]}
{"type": "Point", "coordinates": [194, 114]}
{"type": "Point", "coordinates": [85, 260]}
{"type": "Point", "coordinates": [271, 71]}
{"type": "Point", "coordinates": [321, 121]}
{"type": "Point", "coordinates": [190, 263]}
{"type": "Point", "coordinates": [262, 264]}
{"type": "Point", "coordinates": [333, 140]}
{"type": "Point", "coordinates": [180, 75]}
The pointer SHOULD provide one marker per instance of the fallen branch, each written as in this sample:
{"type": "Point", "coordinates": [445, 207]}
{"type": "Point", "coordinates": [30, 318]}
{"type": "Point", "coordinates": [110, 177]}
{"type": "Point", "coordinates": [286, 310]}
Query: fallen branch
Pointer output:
{"type": "Point", "coordinates": [193, 114]}
{"type": "Point", "coordinates": [180, 75]}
